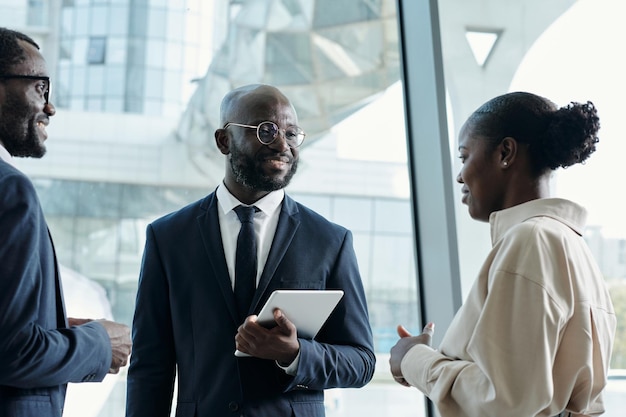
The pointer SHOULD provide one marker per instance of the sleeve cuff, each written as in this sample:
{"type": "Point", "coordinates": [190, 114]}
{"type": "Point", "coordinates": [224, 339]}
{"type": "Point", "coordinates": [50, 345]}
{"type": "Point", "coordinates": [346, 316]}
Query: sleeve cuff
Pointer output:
{"type": "Point", "coordinates": [292, 369]}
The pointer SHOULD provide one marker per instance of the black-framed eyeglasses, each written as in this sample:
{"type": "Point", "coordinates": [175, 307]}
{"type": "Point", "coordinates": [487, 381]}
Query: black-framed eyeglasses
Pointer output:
{"type": "Point", "coordinates": [267, 132]}
{"type": "Point", "coordinates": [44, 88]}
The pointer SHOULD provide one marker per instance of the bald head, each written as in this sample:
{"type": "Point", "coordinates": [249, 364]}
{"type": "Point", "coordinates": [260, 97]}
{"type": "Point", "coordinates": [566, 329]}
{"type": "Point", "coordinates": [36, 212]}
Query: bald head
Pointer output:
{"type": "Point", "coordinates": [240, 101]}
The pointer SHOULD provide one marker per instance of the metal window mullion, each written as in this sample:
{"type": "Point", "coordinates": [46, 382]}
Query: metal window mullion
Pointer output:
{"type": "Point", "coordinates": [429, 159]}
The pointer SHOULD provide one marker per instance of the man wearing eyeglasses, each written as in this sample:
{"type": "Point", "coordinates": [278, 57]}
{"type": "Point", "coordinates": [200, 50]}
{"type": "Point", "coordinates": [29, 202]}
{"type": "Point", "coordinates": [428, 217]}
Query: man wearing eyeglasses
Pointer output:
{"type": "Point", "coordinates": [191, 315]}
{"type": "Point", "coordinates": [40, 349]}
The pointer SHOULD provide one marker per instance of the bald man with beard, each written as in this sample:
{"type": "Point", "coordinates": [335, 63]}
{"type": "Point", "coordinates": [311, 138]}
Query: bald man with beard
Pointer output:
{"type": "Point", "coordinates": [188, 321]}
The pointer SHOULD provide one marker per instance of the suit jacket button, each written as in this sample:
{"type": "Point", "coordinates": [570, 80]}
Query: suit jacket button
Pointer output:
{"type": "Point", "coordinates": [233, 406]}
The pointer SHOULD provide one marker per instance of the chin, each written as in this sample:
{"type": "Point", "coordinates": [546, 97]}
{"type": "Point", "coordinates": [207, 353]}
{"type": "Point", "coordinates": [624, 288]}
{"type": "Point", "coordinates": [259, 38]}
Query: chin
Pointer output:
{"type": "Point", "coordinates": [477, 215]}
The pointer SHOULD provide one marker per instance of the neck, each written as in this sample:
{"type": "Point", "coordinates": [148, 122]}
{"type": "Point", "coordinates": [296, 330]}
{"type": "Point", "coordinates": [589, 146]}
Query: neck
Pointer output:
{"type": "Point", "coordinates": [246, 195]}
{"type": "Point", "coordinates": [533, 189]}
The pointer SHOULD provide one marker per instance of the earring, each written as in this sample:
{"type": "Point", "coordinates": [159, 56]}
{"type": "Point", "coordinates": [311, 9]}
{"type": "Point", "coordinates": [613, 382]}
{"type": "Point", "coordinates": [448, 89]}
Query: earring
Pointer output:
{"type": "Point", "coordinates": [505, 163]}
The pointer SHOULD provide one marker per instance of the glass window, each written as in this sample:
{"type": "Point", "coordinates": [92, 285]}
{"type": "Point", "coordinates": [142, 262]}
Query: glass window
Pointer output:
{"type": "Point", "coordinates": [331, 12]}
{"type": "Point", "coordinates": [155, 54]}
{"type": "Point", "coordinates": [115, 81]}
{"type": "Point", "coordinates": [96, 51]}
{"type": "Point", "coordinates": [67, 21]}
{"type": "Point", "coordinates": [81, 27]}
{"type": "Point", "coordinates": [79, 79]}
{"type": "Point", "coordinates": [114, 105]}
{"type": "Point", "coordinates": [174, 54]}
{"type": "Point", "coordinates": [392, 216]}
{"type": "Point", "coordinates": [116, 51]}
{"type": "Point", "coordinates": [354, 213]}
{"type": "Point", "coordinates": [118, 24]}
{"type": "Point", "coordinates": [154, 83]}
{"type": "Point", "coordinates": [175, 26]}
{"type": "Point", "coordinates": [157, 20]}
{"type": "Point", "coordinates": [80, 52]}
{"type": "Point", "coordinates": [95, 81]}
{"type": "Point", "coordinates": [37, 12]}
{"type": "Point", "coordinates": [99, 23]}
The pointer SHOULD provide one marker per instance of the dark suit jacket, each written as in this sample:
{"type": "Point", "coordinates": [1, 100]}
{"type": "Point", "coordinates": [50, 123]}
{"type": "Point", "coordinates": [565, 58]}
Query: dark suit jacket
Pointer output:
{"type": "Point", "coordinates": [186, 318]}
{"type": "Point", "coordinates": [39, 355]}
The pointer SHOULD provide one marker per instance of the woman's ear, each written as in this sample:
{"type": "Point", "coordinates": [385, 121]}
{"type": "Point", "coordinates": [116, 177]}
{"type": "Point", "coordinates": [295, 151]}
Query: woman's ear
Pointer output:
{"type": "Point", "coordinates": [222, 141]}
{"type": "Point", "coordinates": [508, 151]}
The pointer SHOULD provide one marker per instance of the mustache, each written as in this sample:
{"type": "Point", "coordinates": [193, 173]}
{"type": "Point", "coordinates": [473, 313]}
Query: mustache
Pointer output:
{"type": "Point", "coordinates": [285, 157]}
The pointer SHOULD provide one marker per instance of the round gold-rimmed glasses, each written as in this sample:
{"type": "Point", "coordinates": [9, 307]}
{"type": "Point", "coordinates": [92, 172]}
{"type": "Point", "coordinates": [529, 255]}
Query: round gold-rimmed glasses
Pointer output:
{"type": "Point", "coordinates": [267, 133]}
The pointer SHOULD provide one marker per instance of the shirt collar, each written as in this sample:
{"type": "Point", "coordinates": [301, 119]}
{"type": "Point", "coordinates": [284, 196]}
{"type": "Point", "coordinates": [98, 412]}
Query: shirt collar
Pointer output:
{"type": "Point", "coordinates": [6, 156]}
{"type": "Point", "coordinates": [567, 212]}
{"type": "Point", "coordinates": [268, 204]}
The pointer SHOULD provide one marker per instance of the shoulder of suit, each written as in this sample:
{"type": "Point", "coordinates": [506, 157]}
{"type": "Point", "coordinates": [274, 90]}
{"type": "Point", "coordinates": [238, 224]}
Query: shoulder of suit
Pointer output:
{"type": "Point", "coordinates": [17, 178]}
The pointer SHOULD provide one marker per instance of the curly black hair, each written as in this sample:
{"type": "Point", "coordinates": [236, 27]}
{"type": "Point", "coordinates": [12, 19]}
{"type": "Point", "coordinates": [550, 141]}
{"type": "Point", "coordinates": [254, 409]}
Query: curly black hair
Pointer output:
{"type": "Point", "coordinates": [11, 53]}
{"type": "Point", "coordinates": [556, 137]}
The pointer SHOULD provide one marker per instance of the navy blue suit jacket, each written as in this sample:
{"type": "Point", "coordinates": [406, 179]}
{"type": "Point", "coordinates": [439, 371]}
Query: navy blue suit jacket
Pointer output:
{"type": "Point", "coordinates": [39, 355]}
{"type": "Point", "coordinates": [186, 319]}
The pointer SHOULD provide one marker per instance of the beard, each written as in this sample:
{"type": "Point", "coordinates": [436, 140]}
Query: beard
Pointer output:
{"type": "Point", "coordinates": [18, 131]}
{"type": "Point", "coordinates": [248, 174]}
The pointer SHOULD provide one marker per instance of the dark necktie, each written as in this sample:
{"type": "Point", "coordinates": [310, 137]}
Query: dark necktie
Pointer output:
{"type": "Point", "coordinates": [245, 260]}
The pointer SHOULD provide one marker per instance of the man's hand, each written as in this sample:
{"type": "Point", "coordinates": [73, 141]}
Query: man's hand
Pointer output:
{"type": "Point", "coordinates": [119, 334]}
{"type": "Point", "coordinates": [403, 345]}
{"type": "Point", "coordinates": [71, 321]}
{"type": "Point", "coordinates": [279, 343]}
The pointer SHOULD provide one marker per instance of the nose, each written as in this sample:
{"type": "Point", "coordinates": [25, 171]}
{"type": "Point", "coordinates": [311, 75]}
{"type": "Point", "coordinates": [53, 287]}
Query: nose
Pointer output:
{"type": "Point", "coordinates": [280, 144]}
{"type": "Point", "coordinates": [459, 178]}
{"type": "Point", "coordinates": [49, 109]}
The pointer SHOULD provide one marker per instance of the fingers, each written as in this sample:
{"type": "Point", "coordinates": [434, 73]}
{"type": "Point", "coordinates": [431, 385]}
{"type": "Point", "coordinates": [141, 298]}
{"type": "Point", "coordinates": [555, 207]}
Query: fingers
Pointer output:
{"type": "Point", "coordinates": [406, 343]}
{"type": "Point", "coordinates": [429, 329]}
{"type": "Point", "coordinates": [121, 344]}
{"type": "Point", "coordinates": [402, 331]}
{"type": "Point", "coordinates": [72, 321]}
{"type": "Point", "coordinates": [400, 380]}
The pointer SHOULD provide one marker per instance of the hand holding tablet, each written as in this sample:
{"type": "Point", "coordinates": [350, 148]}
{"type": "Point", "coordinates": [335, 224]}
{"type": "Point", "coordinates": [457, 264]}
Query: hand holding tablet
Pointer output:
{"type": "Point", "coordinates": [308, 310]}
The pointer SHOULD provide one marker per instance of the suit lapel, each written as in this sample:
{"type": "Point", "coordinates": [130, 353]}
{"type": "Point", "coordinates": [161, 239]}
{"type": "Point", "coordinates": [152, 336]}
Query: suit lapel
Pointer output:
{"type": "Point", "coordinates": [288, 223]}
{"type": "Point", "coordinates": [208, 223]}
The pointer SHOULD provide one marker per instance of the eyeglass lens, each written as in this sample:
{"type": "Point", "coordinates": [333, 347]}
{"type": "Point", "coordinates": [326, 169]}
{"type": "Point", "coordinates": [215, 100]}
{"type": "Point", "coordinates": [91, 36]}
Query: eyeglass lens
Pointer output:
{"type": "Point", "coordinates": [43, 83]}
{"type": "Point", "coordinates": [46, 94]}
{"type": "Point", "coordinates": [267, 133]}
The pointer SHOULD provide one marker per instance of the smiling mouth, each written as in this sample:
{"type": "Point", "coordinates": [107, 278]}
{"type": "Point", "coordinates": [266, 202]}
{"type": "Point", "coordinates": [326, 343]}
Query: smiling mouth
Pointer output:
{"type": "Point", "coordinates": [277, 160]}
{"type": "Point", "coordinates": [42, 127]}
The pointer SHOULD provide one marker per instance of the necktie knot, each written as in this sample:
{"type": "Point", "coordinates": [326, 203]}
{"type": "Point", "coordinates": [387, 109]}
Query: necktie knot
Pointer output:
{"type": "Point", "coordinates": [245, 213]}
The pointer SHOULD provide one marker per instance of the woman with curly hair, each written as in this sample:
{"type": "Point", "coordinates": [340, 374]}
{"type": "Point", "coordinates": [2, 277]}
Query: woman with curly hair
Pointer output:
{"type": "Point", "coordinates": [534, 336]}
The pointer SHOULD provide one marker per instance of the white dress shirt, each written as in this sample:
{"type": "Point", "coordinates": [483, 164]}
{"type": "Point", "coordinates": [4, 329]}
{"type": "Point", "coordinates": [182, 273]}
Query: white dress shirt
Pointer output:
{"type": "Point", "coordinates": [265, 222]}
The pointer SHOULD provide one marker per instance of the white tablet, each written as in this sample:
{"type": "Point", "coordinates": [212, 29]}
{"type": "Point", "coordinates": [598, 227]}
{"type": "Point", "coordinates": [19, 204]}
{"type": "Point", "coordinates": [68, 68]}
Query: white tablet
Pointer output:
{"type": "Point", "coordinates": [308, 310]}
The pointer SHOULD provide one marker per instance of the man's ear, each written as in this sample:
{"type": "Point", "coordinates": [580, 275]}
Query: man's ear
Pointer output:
{"type": "Point", "coordinates": [508, 151]}
{"type": "Point", "coordinates": [222, 141]}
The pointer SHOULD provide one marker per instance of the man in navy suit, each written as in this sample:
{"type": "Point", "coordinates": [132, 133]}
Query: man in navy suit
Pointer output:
{"type": "Point", "coordinates": [186, 318]}
{"type": "Point", "coordinates": [40, 350]}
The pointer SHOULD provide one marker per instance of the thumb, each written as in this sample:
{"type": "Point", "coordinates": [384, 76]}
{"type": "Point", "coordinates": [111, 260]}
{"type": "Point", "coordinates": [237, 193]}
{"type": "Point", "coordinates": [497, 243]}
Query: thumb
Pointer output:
{"type": "Point", "coordinates": [429, 328]}
{"type": "Point", "coordinates": [402, 331]}
{"type": "Point", "coordinates": [428, 331]}
{"type": "Point", "coordinates": [283, 322]}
